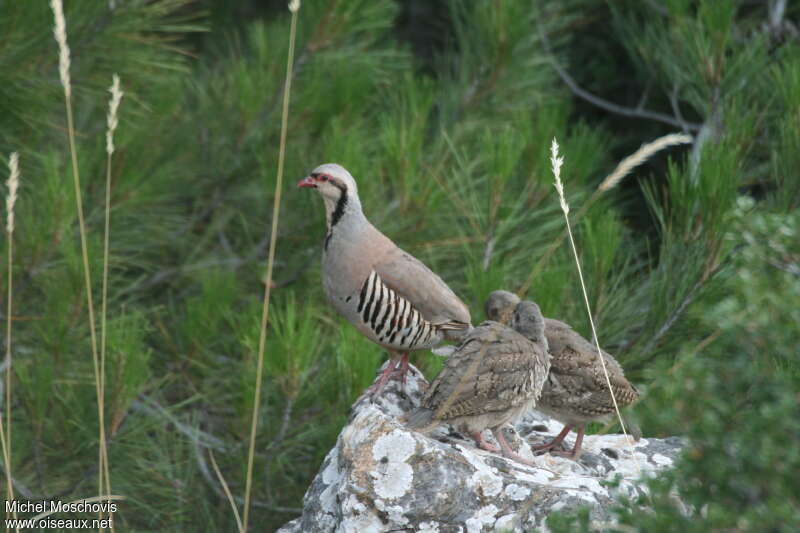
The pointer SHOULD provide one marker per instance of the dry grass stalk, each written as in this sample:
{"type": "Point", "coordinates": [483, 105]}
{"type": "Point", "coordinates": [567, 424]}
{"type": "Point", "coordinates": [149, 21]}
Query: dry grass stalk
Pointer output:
{"type": "Point", "coordinates": [556, 162]}
{"type": "Point", "coordinates": [13, 185]}
{"type": "Point", "coordinates": [622, 169]}
{"type": "Point", "coordinates": [227, 491]}
{"type": "Point", "coordinates": [11, 199]}
{"type": "Point", "coordinates": [294, 6]}
{"type": "Point", "coordinates": [113, 108]}
{"type": "Point", "coordinates": [640, 156]}
{"type": "Point", "coordinates": [60, 32]}
{"type": "Point", "coordinates": [7, 467]}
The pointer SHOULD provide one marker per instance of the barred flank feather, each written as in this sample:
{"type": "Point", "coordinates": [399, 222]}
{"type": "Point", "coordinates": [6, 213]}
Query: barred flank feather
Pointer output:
{"type": "Point", "coordinates": [391, 317]}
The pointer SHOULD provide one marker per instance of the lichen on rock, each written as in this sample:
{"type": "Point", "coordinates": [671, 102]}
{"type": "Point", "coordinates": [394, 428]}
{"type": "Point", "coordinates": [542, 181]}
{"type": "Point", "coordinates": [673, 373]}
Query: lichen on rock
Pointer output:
{"type": "Point", "coordinates": [383, 477]}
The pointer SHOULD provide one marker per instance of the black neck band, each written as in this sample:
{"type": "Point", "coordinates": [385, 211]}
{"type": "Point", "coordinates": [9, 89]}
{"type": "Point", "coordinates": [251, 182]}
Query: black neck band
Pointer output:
{"type": "Point", "coordinates": [338, 211]}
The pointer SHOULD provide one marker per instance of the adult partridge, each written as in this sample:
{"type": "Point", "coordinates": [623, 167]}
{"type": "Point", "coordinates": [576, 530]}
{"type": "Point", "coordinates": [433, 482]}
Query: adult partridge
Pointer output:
{"type": "Point", "coordinates": [576, 391]}
{"type": "Point", "coordinates": [494, 376]}
{"type": "Point", "coordinates": [388, 295]}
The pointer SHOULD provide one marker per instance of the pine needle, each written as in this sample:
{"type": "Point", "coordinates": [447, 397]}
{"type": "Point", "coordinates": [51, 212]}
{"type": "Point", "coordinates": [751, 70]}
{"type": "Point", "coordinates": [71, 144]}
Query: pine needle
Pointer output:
{"type": "Point", "coordinates": [294, 6]}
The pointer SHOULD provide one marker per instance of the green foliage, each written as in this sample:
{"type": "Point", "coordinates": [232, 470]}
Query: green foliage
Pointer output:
{"type": "Point", "coordinates": [734, 394]}
{"type": "Point", "coordinates": [785, 154]}
{"type": "Point", "coordinates": [738, 394]}
{"type": "Point", "coordinates": [691, 286]}
{"type": "Point", "coordinates": [127, 364]}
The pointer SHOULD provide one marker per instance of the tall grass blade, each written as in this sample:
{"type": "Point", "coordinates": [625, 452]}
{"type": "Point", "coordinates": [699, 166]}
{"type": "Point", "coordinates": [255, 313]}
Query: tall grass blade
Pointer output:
{"type": "Point", "coordinates": [7, 466]}
{"type": "Point", "coordinates": [113, 107]}
{"type": "Point", "coordinates": [60, 32]}
{"type": "Point", "coordinates": [227, 490]}
{"type": "Point", "coordinates": [11, 199]}
{"type": "Point", "coordinates": [294, 6]}
{"type": "Point", "coordinates": [556, 161]}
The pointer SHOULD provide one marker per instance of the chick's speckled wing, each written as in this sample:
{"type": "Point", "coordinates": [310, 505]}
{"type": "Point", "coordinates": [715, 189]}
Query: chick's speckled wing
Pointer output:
{"type": "Point", "coordinates": [494, 369]}
{"type": "Point", "coordinates": [577, 376]}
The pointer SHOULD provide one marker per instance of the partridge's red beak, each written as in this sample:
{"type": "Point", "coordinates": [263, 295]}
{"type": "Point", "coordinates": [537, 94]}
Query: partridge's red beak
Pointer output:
{"type": "Point", "coordinates": [308, 181]}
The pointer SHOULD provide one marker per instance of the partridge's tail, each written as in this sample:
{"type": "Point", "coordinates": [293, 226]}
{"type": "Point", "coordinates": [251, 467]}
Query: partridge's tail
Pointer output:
{"type": "Point", "coordinates": [444, 351]}
{"type": "Point", "coordinates": [454, 331]}
{"type": "Point", "coordinates": [633, 428]}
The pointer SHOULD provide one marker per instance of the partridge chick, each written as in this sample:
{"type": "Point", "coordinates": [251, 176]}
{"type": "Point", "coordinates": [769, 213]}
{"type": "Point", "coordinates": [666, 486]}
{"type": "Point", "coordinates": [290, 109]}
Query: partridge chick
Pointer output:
{"type": "Point", "coordinates": [575, 391]}
{"type": "Point", "coordinates": [495, 375]}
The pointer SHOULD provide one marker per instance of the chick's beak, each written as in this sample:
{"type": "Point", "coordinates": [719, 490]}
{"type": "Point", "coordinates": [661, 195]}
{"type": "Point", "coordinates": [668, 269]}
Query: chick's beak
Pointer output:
{"type": "Point", "coordinates": [308, 181]}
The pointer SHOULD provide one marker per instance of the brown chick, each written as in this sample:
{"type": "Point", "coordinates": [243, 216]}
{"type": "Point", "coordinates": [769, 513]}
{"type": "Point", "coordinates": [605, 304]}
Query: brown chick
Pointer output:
{"type": "Point", "coordinates": [494, 376]}
{"type": "Point", "coordinates": [575, 391]}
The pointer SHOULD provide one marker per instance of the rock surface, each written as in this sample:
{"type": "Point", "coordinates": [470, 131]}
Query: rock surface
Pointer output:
{"type": "Point", "coordinates": [381, 476]}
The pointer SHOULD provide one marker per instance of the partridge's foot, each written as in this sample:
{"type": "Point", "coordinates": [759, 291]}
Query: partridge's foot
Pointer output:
{"type": "Point", "coordinates": [481, 443]}
{"type": "Point", "coordinates": [575, 453]}
{"type": "Point", "coordinates": [402, 367]}
{"type": "Point", "coordinates": [507, 451]}
{"type": "Point", "coordinates": [553, 443]}
{"type": "Point", "coordinates": [376, 388]}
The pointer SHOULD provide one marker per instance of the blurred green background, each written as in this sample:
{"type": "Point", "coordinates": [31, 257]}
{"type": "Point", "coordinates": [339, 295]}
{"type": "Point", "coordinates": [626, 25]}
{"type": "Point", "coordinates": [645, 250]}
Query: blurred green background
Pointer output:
{"type": "Point", "coordinates": [444, 113]}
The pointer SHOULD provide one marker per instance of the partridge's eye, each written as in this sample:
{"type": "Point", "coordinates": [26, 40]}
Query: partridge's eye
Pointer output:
{"type": "Point", "coordinates": [323, 178]}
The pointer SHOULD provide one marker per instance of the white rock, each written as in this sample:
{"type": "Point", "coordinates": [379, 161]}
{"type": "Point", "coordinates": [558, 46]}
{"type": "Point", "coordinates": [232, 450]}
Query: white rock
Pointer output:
{"type": "Point", "coordinates": [383, 477]}
{"type": "Point", "coordinates": [483, 517]}
{"type": "Point", "coordinates": [393, 476]}
{"type": "Point", "coordinates": [517, 492]}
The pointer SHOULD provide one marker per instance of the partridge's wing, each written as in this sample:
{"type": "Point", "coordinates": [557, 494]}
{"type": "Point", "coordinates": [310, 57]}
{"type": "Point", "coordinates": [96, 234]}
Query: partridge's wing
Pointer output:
{"type": "Point", "coordinates": [427, 293]}
{"type": "Point", "coordinates": [578, 375]}
{"type": "Point", "coordinates": [493, 370]}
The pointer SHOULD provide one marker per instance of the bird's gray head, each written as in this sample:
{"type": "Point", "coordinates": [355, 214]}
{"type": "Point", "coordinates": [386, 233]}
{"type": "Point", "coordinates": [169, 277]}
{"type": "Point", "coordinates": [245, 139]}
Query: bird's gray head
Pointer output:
{"type": "Point", "coordinates": [528, 321]}
{"type": "Point", "coordinates": [500, 306]}
{"type": "Point", "coordinates": [337, 188]}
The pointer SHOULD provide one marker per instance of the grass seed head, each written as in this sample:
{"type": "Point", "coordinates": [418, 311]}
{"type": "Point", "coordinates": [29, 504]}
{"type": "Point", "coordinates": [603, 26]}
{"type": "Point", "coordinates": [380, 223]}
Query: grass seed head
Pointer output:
{"type": "Point", "coordinates": [60, 32]}
{"type": "Point", "coordinates": [113, 106]}
{"type": "Point", "coordinates": [556, 161]}
{"type": "Point", "coordinates": [13, 185]}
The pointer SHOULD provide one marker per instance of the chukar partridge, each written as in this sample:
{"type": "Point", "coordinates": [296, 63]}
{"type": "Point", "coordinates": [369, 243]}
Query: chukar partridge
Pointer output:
{"type": "Point", "coordinates": [387, 294]}
{"type": "Point", "coordinates": [495, 375]}
{"type": "Point", "coordinates": [576, 391]}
